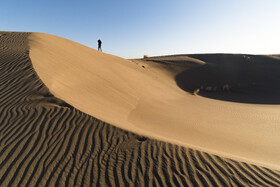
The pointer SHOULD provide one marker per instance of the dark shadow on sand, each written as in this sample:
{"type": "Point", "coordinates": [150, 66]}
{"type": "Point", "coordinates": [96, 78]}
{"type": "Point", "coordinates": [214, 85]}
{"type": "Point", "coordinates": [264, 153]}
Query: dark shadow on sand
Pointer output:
{"type": "Point", "coordinates": [236, 78]}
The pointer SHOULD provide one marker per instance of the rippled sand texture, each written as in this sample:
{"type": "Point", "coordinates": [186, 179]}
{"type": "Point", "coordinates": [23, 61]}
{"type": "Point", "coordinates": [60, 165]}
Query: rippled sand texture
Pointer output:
{"type": "Point", "coordinates": [46, 142]}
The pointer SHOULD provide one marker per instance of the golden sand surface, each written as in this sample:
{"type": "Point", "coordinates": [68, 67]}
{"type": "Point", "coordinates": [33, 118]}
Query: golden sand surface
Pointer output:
{"type": "Point", "coordinates": [151, 97]}
{"type": "Point", "coordinates": [72, 116]}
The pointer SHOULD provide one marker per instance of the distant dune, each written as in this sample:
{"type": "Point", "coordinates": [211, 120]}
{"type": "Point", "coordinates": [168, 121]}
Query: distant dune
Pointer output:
{"type": "Point", "coordinates": [73, 116]}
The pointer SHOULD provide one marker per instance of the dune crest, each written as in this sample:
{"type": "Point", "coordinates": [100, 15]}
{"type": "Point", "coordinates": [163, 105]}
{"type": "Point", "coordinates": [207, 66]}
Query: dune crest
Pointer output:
{"type": "Point", "coordinates": [143, 97]}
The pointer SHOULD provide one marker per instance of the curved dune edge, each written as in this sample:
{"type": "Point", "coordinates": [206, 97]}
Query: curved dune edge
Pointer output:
{"type": "Point", "coordinates": [46, 142]}
{"type": "Point", "coordinates": [147, 101]}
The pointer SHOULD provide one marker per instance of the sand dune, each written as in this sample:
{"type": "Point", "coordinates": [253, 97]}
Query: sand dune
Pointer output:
{"type": "Point", "coordinates": [149, 97]}
{"type": "Point", "coordinates": [45, 141]}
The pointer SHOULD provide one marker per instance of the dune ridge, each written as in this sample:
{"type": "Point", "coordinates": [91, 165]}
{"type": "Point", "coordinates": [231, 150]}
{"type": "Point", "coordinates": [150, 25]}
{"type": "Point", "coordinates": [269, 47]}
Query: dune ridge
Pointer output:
{"type": "Point", "coordinates": [46, 142]}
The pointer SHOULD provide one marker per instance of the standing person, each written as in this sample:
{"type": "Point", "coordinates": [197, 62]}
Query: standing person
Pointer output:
{"type": "Point", "coordinates": [99, 45]}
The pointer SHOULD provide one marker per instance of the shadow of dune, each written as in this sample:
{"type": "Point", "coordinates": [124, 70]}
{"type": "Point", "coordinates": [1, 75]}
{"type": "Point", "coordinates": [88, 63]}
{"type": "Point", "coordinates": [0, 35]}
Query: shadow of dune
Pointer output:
{"type": "Point", "coordinates": [234, 77]}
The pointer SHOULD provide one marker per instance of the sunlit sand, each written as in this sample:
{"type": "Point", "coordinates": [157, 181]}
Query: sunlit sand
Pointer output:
{"type": "Point", "coordinates": [74, 116]}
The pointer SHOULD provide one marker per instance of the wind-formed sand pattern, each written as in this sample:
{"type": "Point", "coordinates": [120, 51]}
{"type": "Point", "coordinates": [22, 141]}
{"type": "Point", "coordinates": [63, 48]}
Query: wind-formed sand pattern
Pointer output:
{"type": "Point", "coordinates": [45, 141]}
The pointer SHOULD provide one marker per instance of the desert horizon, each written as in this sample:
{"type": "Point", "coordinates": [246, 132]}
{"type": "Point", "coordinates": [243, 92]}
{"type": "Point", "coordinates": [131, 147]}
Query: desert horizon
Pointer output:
{"type": "Point", "coordinates": [74, 116]}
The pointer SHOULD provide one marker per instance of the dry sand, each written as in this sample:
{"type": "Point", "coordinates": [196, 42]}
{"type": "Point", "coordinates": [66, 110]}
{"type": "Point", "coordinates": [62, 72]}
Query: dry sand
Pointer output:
{"type": "Point", "coordinates": [148, 100]}
{"type": "Point", "coordinates": [58, 97]}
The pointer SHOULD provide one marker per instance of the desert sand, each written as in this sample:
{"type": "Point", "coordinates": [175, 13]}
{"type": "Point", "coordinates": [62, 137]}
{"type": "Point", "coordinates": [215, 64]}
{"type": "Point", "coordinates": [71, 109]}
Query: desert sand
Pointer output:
{"type": "Point", "coordinates": [73, 116]}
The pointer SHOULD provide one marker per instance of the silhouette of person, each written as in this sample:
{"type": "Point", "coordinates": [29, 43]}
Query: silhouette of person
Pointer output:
{"type": "Point", "coordinates": [99, 45]}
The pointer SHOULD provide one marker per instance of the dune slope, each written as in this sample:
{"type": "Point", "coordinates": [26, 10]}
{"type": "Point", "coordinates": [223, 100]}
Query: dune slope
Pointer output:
{"type": "Point", "coordinates": [150, 98]}
{"type": "Point", "coordinates": [46, 142]}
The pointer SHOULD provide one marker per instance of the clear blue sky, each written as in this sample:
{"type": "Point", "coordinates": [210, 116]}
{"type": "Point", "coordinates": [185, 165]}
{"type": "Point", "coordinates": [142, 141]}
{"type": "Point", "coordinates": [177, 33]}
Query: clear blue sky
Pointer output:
{"type": "Point", "coordinates": [132, 28]}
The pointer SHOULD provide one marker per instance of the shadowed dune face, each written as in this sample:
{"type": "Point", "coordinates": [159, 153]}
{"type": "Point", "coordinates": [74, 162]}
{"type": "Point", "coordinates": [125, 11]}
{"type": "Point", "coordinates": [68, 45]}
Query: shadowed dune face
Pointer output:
{"type": "Point", "coordinates": [44, 141]}
{"type": "Point", "coordinates": [236, 78]}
